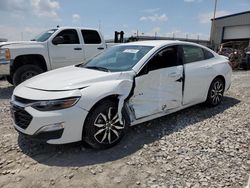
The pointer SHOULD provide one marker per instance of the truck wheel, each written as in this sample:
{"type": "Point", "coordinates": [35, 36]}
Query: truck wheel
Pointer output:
{"type": "Point", "coordinates": [25, 72]}
{"type": "Point", "coordinates": [9, 79]}
{"type": "Point", "coordinates": [102, 128]}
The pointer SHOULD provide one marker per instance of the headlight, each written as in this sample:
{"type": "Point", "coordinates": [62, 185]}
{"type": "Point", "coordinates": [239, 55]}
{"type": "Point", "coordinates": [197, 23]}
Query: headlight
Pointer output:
{"type": "Point", "coordinates": [55, 104]}
{"type": "Point", "coordinates": [5, 54]}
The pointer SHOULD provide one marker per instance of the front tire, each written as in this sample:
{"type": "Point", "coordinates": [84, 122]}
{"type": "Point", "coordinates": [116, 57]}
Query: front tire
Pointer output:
{"type": "Point", "coordinates": [25, 72]}
{"type": "Point", "coordinates": [215, 93]}
{"type": "Point", "coordinates": [102, 128]}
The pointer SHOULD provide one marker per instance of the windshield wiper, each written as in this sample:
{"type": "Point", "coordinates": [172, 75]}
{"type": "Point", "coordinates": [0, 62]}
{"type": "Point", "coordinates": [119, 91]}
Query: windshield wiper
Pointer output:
{"type": "Point", "coordinates": [98, 68]}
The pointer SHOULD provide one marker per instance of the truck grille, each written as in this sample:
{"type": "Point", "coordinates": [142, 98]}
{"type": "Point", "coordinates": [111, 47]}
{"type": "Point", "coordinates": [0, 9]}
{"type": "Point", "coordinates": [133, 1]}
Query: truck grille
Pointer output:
{"type": "Point", "coordinates": [20, 116]}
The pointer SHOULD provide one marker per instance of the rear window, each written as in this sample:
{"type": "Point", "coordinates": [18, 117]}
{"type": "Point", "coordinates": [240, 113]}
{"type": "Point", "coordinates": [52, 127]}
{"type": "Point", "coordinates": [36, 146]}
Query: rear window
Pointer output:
{"type": "Point", "coordinates": [207, 54]}
{"type": "Point", "coordinates": [91, 37]}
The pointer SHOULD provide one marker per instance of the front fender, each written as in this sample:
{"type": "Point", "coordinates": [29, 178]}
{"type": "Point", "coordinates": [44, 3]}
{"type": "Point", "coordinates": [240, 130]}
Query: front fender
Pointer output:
{"type": "Point", "coordinates": [17, 50]}
{"type": "Point", "coordinates": [98, 91]}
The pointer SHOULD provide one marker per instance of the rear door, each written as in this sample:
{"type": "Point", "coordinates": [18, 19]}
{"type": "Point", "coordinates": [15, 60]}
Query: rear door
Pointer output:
{"type": "Point", "coordinates": [198, 66]}
{"type": "Point", "coordinates": [158, 86]}
{"type": "Point", "coordinates": [70, 52]}
{"type": "Point", "coordinates": [93, 43]}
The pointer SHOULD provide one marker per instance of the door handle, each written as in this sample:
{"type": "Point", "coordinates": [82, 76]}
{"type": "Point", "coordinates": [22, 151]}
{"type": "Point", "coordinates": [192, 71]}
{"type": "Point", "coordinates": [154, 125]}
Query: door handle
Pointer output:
{"type": "Point", "coordinates": [77, 48]}
{"type": "Point", "coordinates": [100, 48]}
{"type": "Point", "coordinates": [208, 66]}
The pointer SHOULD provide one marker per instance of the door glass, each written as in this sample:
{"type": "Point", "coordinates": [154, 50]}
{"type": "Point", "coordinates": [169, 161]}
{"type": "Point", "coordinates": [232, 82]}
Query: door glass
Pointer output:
{"type": "Point", "coordinates": [91, 37]}
{"type": "Point", "coordinates": [193, 53]}
{"type": "Point", "coordinates": [69, 36]}
{"type": "Point", "coordinates": [167, 57]}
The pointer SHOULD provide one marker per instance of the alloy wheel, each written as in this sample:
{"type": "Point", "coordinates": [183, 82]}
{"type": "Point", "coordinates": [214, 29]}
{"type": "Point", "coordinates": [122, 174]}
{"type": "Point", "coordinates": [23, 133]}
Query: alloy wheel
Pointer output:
{"type": "Point", "coordinates": [108, 127]}
{"type": "Point", "coordinates": [217, 92]}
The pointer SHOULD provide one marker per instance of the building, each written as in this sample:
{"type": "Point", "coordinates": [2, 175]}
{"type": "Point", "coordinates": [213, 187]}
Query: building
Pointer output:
{"type": "Point", "coordinates": [233, 28]}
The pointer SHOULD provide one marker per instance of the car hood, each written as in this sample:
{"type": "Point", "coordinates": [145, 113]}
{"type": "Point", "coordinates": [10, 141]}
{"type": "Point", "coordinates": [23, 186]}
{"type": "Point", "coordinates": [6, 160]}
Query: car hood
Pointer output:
{"type": "Point", "coordinates": [7, 44]}
{"type": "Point", "coordinates": [68, 78]}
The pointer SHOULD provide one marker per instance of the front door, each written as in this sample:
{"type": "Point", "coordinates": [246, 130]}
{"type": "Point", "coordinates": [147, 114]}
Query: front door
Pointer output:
{"type": "Point", "coordinates": [158, 86]}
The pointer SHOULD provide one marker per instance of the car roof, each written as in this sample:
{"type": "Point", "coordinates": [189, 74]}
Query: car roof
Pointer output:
{"type": "Point", "coordinates": [68, 27]}
{"type": "Point", "coordinates": [159, 43]}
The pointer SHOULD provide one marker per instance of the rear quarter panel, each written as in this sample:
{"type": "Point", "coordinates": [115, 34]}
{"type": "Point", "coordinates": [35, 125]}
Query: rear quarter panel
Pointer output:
{"type": "Point", "coordinates": [220, 67]}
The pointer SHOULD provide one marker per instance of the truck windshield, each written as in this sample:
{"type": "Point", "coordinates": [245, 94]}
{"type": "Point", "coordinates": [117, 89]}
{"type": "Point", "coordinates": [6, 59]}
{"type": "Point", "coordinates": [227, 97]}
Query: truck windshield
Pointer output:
{"type": "Point", "coordinates": [44, 35]}
{"type": "Point", "coordinates": [118, 58]}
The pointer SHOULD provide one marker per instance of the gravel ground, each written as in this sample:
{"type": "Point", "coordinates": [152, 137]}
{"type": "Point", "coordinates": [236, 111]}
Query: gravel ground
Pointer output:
{"type": "Point", "coordinates": [196, 147]}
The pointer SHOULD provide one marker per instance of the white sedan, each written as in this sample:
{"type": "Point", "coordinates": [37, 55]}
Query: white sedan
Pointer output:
{"type": "Point", "coordinates": [126, 85]}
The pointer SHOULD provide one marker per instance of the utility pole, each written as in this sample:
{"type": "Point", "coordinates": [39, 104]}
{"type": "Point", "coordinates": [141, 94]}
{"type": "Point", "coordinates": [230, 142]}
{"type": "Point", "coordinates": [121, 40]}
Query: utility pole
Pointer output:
{"type": "Point", "coordinates": [213, 25]}
{"type": "Point", "coordinates": [99, 25]}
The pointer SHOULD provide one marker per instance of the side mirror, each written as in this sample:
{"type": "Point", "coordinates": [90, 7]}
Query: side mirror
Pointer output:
{"type": "Point", "coordinates": [58, 40]}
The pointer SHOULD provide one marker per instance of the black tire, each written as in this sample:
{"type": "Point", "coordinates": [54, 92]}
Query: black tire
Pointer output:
{"type": "Point", "coordinates": [102, 128]}
{"type": "Point", "coordinates": [25, 72]}
{"type": "Point", "coordinates": [215, 92]}
{"type": "Point", "coordinates": [9, 79]}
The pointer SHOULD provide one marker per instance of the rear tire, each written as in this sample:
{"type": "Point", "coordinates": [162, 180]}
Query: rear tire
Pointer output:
{"type": "Point", "coordinates": [215, 92]}
{"type": "Point", "coordinates": [102, 128]}
{"type": "Point", "coordinates": [25, 72]}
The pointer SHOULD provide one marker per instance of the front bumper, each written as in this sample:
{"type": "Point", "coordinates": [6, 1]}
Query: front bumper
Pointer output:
{"type": "Point", "coordinates": [4, 67]}
{"type": "Point", "coordinates": [29, 122]}
{"type": "Point", "coordinates": [44, 136]}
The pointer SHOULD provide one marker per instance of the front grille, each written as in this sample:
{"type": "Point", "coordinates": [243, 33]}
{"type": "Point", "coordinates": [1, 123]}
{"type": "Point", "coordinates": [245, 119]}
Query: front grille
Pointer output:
{"type": "Point", "coordinates": [20, 116]}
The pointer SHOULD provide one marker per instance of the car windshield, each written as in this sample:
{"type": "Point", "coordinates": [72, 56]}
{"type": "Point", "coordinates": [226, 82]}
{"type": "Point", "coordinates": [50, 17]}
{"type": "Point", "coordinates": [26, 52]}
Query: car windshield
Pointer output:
{"type": "Point", "coordinates": [44, 36]}
{"type": "Point", "coordinates": [118, 58]}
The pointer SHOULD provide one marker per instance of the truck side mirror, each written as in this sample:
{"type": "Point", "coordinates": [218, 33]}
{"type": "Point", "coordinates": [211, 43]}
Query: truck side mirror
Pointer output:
{"type": "Point", "coordinates": [58, 40]}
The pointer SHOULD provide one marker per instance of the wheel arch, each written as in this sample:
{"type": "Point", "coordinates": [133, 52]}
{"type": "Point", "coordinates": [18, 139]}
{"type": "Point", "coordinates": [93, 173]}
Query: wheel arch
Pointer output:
{"type": "Point", "coordinates": [32, 59]}
{"type": "Point", "coordinates": [119, 100]}
{"type": "Point", "coordinates": [114, 97]}
{"type": "Point", "coordinates": [221, 77]}
{"type": "Point", "coordinates": [218, 76]}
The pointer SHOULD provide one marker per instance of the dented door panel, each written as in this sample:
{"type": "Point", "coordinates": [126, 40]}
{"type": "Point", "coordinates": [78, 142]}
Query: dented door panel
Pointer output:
{"type": "Point", "coordinates": [157, 91]}
{"type": "Point", "coordinates": [170, 88]}
{"type": "Point", "coordinates": [145, 99]}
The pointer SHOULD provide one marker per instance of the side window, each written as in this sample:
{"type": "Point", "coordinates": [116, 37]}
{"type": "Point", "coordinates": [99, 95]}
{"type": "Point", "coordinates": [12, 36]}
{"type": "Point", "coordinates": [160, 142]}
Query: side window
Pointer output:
{"type": "Point", "coordinates": [163, 59]}
{"type": "Point", "coordinates": [207, 54]}
{"type": "Point", "coordinates": [69, 36]}
{"type": "Point", "coordinates": [192, 53]}
{"type": "Point", "coordinates": [91, 37]}
{"type": "Point", "coordinates": [168, 57]}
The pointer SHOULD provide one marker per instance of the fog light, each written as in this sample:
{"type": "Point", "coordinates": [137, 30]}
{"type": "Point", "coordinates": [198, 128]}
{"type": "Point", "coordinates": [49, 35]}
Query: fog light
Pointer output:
{"type": "Point", "coordinates": [51, 127]}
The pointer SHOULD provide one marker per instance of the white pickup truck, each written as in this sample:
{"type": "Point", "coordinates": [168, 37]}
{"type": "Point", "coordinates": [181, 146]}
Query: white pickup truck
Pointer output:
{"type": "Point", "coordinates": [52, 49]}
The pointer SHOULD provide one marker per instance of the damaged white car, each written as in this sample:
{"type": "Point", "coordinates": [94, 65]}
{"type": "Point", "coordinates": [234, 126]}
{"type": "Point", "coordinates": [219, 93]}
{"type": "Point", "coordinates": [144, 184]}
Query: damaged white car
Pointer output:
{"type": "Point", "coordinates": [126, 85]}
